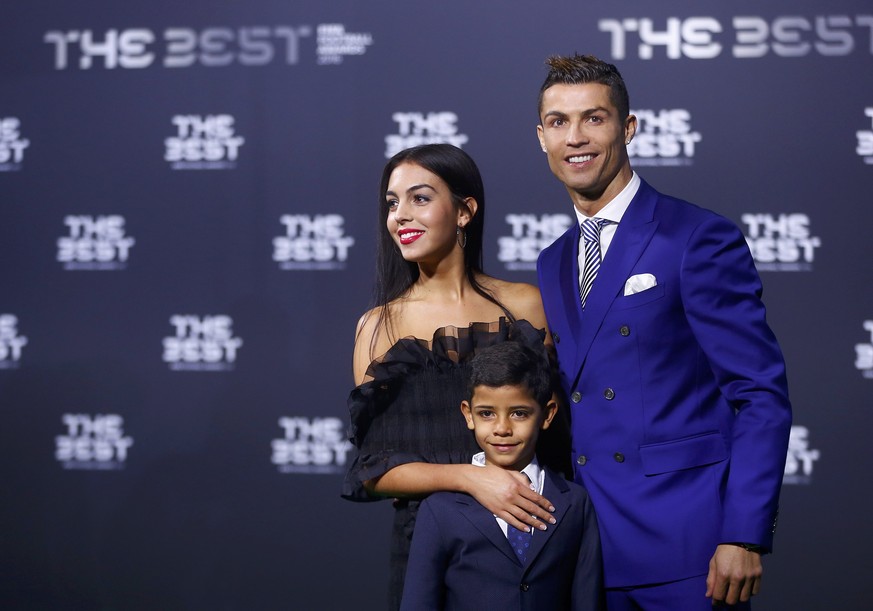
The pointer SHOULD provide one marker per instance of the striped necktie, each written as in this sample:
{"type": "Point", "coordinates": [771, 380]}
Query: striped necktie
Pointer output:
{"type": "Point", "coordinates": [591, 240]}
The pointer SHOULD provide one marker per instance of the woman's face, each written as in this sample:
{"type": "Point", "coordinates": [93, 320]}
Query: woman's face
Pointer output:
{"type": "Point", "coordinates": [422, 216]}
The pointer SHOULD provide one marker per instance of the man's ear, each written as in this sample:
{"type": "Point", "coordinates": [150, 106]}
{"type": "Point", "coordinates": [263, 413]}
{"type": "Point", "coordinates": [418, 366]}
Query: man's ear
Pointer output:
{"type": "Point", "coordinates": [541, 138]}
{"type": "Point", "coordinates": [468, 414]}
{"type": "Point", "coordinates": [551, 410]}
{"type": "Point", "coordinates": [630, 128]}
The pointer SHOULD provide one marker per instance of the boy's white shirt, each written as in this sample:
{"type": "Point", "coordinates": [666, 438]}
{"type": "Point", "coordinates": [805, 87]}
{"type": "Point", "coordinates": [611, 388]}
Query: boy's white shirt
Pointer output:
{"type": "Point", "coordinates": [532, 470]}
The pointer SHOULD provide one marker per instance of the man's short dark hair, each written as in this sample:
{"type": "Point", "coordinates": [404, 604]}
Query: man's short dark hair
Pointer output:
{"type": "Point", "coordinates": [510, 363]}
{"type": "Point", "coordinates": [581, 69]}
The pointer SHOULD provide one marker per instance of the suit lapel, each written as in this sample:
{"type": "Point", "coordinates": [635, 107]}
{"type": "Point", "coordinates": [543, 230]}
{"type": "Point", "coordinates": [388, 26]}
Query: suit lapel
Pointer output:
{"type": "Point", "coordinates": [634, 233]}
{"type": "Point", "coordinates": [569, 268]}
{"type": "Point", "coordinates": [485, 522]}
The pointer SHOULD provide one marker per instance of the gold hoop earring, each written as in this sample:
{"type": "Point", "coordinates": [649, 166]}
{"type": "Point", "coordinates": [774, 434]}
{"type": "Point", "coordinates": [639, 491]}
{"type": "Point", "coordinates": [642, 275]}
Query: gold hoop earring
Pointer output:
{"type": "Point", "coordinates": [461, 233]}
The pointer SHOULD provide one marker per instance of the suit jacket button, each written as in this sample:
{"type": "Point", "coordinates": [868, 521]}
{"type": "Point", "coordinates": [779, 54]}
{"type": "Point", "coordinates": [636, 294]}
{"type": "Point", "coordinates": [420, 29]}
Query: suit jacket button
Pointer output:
{"type": "Point", "coordinates": [609, 394]}
{"type": "Point", "coordinates": [524, 587]}
{"type": "Point", "coordinates": [582, 460]}
{"type": "Point", "coordinates": [619, 457]}
{"type": "Point", "coordinates": [576, 397]}
{"type": "Point", "coordinates": [556, 337]}
{"type": "Point", "coordinates": [625, 330]}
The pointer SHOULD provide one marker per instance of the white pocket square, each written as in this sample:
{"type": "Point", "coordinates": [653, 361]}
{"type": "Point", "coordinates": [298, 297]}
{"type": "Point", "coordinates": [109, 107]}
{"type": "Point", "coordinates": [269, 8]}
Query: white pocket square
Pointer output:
{"type": "Point", "coordinates": [639, 283]}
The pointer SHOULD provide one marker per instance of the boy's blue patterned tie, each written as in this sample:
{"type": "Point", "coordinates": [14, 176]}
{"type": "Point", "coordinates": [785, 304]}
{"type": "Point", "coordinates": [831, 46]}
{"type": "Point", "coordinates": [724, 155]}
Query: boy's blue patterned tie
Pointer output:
{"type": "Point", "coordinates": [518, 539]}
{"type": "Point", "coordinates": [520, 542]}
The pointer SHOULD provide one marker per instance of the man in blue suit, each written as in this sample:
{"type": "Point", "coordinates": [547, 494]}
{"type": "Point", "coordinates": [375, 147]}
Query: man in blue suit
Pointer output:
{"type": "Point", "coordinates": [675, 383]}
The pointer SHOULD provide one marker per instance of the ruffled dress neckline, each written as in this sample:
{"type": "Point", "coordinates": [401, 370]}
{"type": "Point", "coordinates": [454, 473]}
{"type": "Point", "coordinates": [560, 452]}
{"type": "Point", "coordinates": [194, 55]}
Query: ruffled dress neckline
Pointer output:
{"type": "Point", "coordinates": [449, 344]}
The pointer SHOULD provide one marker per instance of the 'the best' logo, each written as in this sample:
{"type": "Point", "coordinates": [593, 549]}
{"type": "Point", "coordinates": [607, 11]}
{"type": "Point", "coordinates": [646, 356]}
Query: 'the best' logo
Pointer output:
{"type": "Point", "coordinates": [95, 243]}
{"type": "Point", "coordinates": [201, 344]}
{"type": "Point", "coordinates": [11, 343]}
{"type": "Point", "coordinates": [177, 47]}
{"type": "Point", "coordinates": [93, 442]}
{"type": "Point", "coordinates": [312, 242]}
{"type": "Point", "coordinates": [800, 459]}
{"type": "Point", "coordinates": [663, 138]}
{"type": "Point", "coordinates": [316, 445]}
{"type": "Point", "coordinates": [744, 37]}
{"type": "Point", "coordinates": [12, 144]}
{"type": "Point", "coordinates": [203, 143]}
{"type": "Point", "coordinates": [530, 234]}
{"type": "Point", "coordinates": [781, 243]}
{"type": "Point", "coordinates": [414, 128]}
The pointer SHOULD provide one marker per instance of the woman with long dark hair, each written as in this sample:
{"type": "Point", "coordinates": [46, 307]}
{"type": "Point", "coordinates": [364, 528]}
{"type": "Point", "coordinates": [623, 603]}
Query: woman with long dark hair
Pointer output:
{"type": "Point", "coordinates": [434, 308]}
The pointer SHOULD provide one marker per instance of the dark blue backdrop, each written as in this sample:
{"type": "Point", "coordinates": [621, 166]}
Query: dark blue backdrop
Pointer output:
{"type": "Point", "coordinates": [187, 221]}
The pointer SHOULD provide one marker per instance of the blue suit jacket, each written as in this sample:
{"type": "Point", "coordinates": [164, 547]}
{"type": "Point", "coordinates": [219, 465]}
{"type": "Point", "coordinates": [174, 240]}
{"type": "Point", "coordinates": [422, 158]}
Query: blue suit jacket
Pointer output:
{"type": "Point", "coordinates": [460, 558]}
{"type": "Point", "coordinates": [677, 394]}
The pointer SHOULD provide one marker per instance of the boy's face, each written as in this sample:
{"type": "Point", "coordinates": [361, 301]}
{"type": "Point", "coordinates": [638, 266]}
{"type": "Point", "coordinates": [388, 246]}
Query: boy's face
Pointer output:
{"type": "Point", "coordinates": [507, 421]}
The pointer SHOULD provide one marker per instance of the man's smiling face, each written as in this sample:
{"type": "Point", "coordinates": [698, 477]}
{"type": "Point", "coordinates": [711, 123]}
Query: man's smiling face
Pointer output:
{"type": "Point", "coordinates": [585, 140]}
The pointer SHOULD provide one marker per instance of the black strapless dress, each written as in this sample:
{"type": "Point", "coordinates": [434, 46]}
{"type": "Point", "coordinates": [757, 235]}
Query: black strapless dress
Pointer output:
{"type": "Point", "coordinates": [410, 412]}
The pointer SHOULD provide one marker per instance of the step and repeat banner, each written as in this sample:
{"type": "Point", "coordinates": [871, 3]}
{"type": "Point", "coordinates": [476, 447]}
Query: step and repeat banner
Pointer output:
{"type": "Point", "coordinates": [188, 197]}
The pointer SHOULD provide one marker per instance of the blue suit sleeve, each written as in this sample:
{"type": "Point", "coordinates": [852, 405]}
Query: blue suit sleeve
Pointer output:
{"type": "Point", "coordinates": [721, 293]}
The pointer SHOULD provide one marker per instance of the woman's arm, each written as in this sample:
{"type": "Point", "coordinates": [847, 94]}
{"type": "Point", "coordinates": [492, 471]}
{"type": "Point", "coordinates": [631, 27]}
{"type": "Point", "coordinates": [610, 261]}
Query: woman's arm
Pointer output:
{"type": "Point", "coordinates": [364, 333]}
{"type": "Point", "coordinates": [505, 494]}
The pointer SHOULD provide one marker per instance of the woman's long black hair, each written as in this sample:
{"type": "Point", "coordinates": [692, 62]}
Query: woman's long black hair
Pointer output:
{"type": "Point", "coordinates": [395, 275]}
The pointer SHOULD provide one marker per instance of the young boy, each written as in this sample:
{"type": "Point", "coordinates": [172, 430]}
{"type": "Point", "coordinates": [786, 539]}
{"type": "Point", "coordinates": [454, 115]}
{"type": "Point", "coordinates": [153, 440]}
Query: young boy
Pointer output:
{"type": "Point", "coordinates": [462, 556]}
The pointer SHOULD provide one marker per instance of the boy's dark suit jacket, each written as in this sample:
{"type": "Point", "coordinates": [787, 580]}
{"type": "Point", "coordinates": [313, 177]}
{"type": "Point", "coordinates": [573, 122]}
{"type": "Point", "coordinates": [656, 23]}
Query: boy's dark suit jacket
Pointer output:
{"type": "Point", "coordinates": [460, 558]}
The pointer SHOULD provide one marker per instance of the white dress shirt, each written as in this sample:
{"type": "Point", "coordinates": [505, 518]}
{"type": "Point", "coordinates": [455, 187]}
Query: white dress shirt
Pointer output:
{"type": "Point", "coordinates": [613, 211]}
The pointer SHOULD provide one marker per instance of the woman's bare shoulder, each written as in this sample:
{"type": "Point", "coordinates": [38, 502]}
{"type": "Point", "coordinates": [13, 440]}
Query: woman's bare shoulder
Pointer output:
{"type": "Point", "coordinates": [376, 331]}
{"type": "Point", "coordinates": [367, 323]}
{"type": "Point", "coordinates": [520, 298]}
